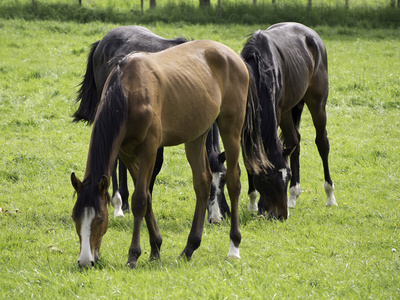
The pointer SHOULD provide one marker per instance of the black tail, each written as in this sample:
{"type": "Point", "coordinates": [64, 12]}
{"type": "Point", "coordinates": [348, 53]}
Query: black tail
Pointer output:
{"type": "Point", "coordinates": [87, 94]}
{"type": "Point", "coordinates": [254, 155]}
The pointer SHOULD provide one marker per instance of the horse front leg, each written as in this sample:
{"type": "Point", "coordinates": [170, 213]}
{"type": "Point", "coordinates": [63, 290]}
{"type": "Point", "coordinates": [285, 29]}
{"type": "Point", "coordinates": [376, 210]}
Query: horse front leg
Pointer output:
{"type": "Point", "coordinates": [141, 206]}
{"type": "Point", "coordinates": [116, 202]}
{"type": "Point", "coordinates": [197, 157]}
{"type": "Point", "coordinates": [123, 185]}
{"type": "Point", "coordinates": [252, 193]}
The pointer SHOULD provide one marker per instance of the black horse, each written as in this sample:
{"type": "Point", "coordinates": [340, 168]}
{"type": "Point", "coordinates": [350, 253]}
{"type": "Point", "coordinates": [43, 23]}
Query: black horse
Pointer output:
{"type": "Point", "coordinates": [289, 62]}
{"type": "Point", "coordinates": [118, 43]}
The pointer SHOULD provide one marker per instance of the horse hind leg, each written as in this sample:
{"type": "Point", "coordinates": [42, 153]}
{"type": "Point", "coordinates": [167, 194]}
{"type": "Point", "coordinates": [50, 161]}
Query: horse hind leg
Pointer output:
{"type": "Point", "coordinates": [197, 158]}
{"type": "Point", "coordinates": [318, 114]}
{"type": "Point", "coordinates": [231, 139]}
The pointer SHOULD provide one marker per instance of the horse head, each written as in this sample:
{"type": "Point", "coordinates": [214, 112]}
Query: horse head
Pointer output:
{"type": "Point", "coordinates": [91, 217]}
{"type": "Point", "coordinates": [272, 187]}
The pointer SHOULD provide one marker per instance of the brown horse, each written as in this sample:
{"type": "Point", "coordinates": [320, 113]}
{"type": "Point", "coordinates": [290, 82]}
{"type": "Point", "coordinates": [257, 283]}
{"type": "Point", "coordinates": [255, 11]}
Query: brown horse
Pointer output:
{"type": "Point", "coordinates": [289, 63]}
{"type": "Point", "coordinates": [152, 100]}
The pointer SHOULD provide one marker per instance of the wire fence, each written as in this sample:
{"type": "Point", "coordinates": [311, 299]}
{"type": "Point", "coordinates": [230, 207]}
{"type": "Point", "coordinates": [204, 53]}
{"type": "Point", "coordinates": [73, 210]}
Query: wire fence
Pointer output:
{"type": "Point", "coordinates": [153, 3]}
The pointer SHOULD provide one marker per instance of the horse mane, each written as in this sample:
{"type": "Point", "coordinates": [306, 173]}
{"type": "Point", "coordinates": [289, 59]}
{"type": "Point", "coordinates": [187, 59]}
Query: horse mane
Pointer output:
{"type": "Point", "coordinates": [112, 114]}
{"type": "Point", "coordinates": [257, 53]}
{"type": "Point", "coordinates": [254, 156]}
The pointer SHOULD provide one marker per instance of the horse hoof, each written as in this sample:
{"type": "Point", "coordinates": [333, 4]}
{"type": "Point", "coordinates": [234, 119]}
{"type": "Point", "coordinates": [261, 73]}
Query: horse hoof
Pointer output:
{"type": "Point", "coordinates": [117, 204]}
{"type": "Point", "coordinates": [294, 193]}
{"type": "Point", "coordinates": [331, 201]}
{"type": "Point", "coordinates": [291, 203]}
{"type": "Point", "coordinates": [119, 214]}
{"type": "Point", "coordinates": [233, 251]}
{"type": "Point", "coordinates": [215, 221]}
{"type": "Point", "coordinates": [234, 257]}
{"type": "Point", "coordinates": [253, 201]}
{"type": "Point", "coordinates": [252, 208]}
{"type": "Point", "coordinates": [330, 197]}
{"type": "Point", "coordinates": [131, 264]}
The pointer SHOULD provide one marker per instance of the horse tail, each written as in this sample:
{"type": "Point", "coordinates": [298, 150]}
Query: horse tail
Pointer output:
{"type": "Point", "coordinates": [87, 94]}
{"type": "Point", "coordinates": [254, 155]}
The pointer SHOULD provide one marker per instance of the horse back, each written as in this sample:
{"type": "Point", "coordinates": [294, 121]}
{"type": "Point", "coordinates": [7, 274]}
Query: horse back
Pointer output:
{"type": "Point", "coordinates": [300, 56]}
{"type": "Point", "coordinates": [185, 88]}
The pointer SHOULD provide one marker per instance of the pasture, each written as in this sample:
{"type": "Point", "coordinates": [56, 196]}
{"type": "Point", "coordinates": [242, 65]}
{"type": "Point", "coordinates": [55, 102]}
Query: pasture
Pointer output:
{"type": "Point", "coordinates": [349, 251]}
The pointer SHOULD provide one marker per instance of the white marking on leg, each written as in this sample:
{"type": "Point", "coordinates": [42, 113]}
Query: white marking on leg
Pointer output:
{"type": "Point", "coordinates": [86, 257]}
{"type": "Point", "coordinates": [214, 213]}
{"type": "Point", "coordinates": [233, 251]}
{"type": "Point", "coordinates": [330, 198]}
{"type": "Point", "coordinates": [284, 174]}
{"type": "Point", "coordinates": [294, 193]}
{"type": "Point", "coordinates": [253, 196]}
{"type": "Point", "coordinates": [117, 204]}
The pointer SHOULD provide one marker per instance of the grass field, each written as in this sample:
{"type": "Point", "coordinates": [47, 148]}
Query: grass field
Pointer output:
{"type": "Point", "coordinates": [346, 252]}
{"type": "Point", "coordinates": [360, 13]}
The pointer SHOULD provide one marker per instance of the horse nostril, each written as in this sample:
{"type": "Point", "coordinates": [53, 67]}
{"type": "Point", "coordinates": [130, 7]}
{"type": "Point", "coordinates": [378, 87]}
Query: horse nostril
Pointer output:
{"type": "Point", "coordinates": [92, 263]}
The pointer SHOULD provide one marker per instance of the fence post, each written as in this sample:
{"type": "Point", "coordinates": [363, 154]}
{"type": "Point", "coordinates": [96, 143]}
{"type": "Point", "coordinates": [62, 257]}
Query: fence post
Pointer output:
{"type": "Point", "coordinates": [309, 4]}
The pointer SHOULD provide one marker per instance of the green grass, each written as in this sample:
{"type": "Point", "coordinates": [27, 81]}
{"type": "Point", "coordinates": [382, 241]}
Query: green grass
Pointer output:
{"type": "Point", "coordinates": [364, 14]}
{"type": "Point", "coordinates": [343, 252]}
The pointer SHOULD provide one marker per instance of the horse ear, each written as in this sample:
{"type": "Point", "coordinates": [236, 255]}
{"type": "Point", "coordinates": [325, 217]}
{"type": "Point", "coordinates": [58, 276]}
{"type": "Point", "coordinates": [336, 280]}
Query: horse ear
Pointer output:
{"type": "Point", "coordinates": [103, 185]}
{"type": "Point", "coordinates": [221, 157]}
{"type": "Point", "coordinates": [76, 183]}
{"type": "Point", "coordinates": [288, 151]}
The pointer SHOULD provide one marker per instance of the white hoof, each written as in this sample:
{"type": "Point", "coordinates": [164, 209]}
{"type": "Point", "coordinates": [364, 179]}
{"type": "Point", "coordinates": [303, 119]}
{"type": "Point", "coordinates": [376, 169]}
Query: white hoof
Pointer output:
{"type": "Point", "coordinates": [253, 206]}
{"type": "Point", "coordinates": [294, 193]}
{"type": "Point", "coordinates": [117, 204]}
{"type": "Point", "coordinates": [330, 198]}
{"type": "Point", "coordinates": [233, 251]}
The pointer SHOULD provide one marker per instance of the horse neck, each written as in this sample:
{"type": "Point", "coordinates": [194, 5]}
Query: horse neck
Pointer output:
{"type": "Point", "coordinates": [100, 163]}
{"type": "Point", "coordinates": [109, 129]}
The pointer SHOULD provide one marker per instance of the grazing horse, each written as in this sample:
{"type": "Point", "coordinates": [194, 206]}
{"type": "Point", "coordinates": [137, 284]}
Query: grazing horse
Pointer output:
{"type": "Point", "coordinates": [152, 100]}
{"type": "Point", "coordinates": [289, 63]}
{"type": "Point", "coordinates": [122, 41]}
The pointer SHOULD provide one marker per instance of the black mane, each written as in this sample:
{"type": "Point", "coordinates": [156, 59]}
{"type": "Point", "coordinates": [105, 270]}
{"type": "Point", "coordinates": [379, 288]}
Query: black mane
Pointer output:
{"type": "Point", "coordinates": [258, 54]}
{"type": "Point", "coordinates": [112, 113]}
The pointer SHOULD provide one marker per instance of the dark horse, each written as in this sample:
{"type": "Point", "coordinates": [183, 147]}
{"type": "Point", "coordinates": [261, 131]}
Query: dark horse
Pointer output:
{"type": "Point", "coordinates": [122, 41]}
{"type": "Point", "coordinates": [152, 100]}
{"type": "Point", "coordinates": [289, 63]}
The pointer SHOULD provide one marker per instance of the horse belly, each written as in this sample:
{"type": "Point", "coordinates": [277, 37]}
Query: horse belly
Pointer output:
{"type": "Point", "coordinates": [186, 118]}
